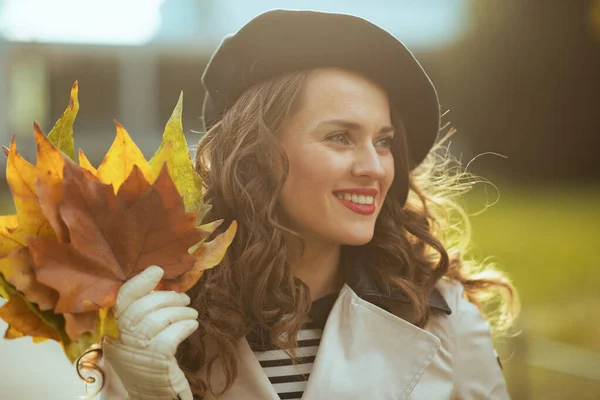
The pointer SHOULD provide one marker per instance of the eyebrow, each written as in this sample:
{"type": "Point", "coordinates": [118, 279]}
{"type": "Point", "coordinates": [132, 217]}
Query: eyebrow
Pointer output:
{"type": "Point", "coordinates": [354, 125]}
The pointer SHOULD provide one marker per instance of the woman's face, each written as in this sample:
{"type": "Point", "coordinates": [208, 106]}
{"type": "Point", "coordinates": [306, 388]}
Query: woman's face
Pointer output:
{"type": "Point", "coordinates": [340, 163]}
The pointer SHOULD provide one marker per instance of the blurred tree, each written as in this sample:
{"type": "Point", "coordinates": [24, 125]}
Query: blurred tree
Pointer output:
{"type": "Point", "coordinates": [524, 83]}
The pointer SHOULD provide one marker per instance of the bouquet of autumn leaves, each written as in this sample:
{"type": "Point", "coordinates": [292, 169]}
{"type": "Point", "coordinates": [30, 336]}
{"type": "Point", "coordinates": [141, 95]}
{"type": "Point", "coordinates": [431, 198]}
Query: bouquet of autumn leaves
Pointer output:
{"type": "Point", "coordinates": [81, 232]}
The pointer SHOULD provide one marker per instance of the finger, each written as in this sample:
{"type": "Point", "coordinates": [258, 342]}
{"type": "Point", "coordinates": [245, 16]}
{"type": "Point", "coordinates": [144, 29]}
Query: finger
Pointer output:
{"type": "Point", "coordinates": [168, 339]}
{"type": "Point", "coordinates": [136, 287]}
{"type": "Point", "coordinates": [151, 302]}
{"type": "Point", "coordinates": [153, 323]}
{"type": "Point", "coordinates": [178, 381]}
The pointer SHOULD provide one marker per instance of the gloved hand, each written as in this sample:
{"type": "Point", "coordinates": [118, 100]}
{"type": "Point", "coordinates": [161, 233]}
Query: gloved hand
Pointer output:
{"type": "Point", "coordinates": [151, 326]}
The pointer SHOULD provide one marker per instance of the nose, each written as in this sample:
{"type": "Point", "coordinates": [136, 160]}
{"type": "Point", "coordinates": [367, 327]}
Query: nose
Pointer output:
{"type": "Point", "coordinates": [368, 163]}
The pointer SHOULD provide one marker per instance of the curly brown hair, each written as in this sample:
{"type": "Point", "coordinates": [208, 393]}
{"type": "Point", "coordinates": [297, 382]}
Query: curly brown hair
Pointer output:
{"type": "Point", "coordinates": [254, 289]}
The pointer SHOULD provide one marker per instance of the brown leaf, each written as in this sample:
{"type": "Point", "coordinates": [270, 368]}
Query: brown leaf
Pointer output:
{"type": "Point", "coordinates": [48, 183]}
{"type": "Point", "coordinates": [17, 268]}
{"type": "Point", "coordinates": [78, 324]}
{"type": "Point", "coordinates": [132, 189]}
{"type": "Point", "coordinates": [113, 238]}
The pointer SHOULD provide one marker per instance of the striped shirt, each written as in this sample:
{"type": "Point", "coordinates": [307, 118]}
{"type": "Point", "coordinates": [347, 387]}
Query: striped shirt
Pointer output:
{"type": "Point", "coordinates": [289, 379]}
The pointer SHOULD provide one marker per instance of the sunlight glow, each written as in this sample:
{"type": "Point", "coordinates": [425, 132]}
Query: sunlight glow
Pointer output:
{"type": "Point", "coordinates": [117, 22]}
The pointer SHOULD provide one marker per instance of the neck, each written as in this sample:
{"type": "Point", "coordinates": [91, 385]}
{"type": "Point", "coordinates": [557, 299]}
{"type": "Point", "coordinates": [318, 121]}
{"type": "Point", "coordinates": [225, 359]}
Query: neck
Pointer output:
{"type": "Point", "coordinates": [319, 268]}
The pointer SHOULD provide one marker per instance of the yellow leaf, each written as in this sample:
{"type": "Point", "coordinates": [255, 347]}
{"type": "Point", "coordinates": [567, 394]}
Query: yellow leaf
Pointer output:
{"type": "Point", "coordinates": [211, 253]}
{"type": "Point", "coordinates": [19, 315]}
{"type": "Point", "coordinates": [62, 134]}
{"type": "Point", "coordinates": [174, 150]}
{"type": "Point", "coordinates": [211, 226]}
{"type": "Point", "coordinates": [162, 156]}
{"type": "Point", "coordinates": [208, 255]}
{"type": "Point", "coordinates": [21, 177]}
{"type": "Point", "coordinates": [107, 323]}
{"type": "Point", "coordinates": [8, 223]}
{"type": "Point", "coordinates": [86, 164]}
{"type": "Point", "coordinates": [75, 349]}
{"type": "Point", "coordinates": [49, 159]}
{"type": "Point", "coordinates": [120, 159]}
{"type": "Point", "coordinates": [48, 317]}
{"type": "Point", "coordinates": [12, 333]}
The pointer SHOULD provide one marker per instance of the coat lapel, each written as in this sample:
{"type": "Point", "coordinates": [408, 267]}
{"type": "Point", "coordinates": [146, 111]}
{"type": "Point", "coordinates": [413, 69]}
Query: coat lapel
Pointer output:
{"type": "Point", "coordinates": [366, 352]}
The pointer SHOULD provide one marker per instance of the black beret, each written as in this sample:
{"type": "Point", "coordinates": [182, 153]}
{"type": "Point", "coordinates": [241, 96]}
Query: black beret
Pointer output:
{"type": "Point", "coordinates": [282, 41]}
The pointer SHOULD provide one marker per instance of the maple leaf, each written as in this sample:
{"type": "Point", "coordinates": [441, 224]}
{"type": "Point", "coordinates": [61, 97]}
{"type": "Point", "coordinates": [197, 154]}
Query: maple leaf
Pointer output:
{"type": "Point", "coordinates": [21, 177]}
{"type": "Point", "coordinates": [23, 322]}
{"type": "Point", "coordinates": [17, 269]}
{"type": "Point", "coordinates": [8, 224]}
{"type": "Point", "coordinates": [86, 164]}
{"type": "Point", "coordinates": [61, 134]}
{"type": "Point", "coordinates": [208, 255]}
{"type": "Point", "coordinates": [112, 238]}
{"type": "Point", "coordinates": [120, 160]}
{"type": "Point", "coordinates": [81, 232]}
{"type": "Point", "coordinates": [173, 150]}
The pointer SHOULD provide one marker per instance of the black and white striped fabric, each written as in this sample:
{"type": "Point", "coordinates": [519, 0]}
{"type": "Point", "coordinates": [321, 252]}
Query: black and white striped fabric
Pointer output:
{"type": "Point", "coordinates": [287, 377]}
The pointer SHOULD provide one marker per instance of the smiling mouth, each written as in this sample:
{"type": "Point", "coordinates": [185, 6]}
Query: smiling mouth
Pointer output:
{"type": "Point", "coordinates": [359, 203]}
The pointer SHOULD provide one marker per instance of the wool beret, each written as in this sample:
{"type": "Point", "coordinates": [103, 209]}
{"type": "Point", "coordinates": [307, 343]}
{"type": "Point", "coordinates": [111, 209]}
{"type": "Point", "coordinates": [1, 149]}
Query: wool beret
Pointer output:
{"type": "Point", "coordinates": [282, 41]}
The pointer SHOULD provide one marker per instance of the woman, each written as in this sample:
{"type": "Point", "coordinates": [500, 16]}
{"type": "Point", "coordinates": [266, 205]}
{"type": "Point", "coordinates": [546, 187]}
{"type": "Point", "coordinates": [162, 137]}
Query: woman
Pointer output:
{"type": "Point", "coordinates": [339, 284]}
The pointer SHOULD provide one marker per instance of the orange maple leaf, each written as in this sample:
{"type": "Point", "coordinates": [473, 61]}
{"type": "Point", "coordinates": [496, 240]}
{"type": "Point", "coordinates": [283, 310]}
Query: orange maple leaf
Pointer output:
{"type": "Point", "coordinates": [112, 238]}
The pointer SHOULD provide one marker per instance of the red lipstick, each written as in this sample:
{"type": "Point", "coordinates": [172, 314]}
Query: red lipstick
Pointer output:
{"type": "Point", "coordinates": [363, 209]}
{"type": "Point", "coordinates": [364, 191]}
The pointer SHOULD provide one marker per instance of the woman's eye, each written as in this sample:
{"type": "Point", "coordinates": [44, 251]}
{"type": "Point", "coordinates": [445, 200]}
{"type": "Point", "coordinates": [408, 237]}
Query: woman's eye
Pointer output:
{"type": "Point", "coordinates": [339, 137]}
{"type": "Point", "coordinates": [386, 142]}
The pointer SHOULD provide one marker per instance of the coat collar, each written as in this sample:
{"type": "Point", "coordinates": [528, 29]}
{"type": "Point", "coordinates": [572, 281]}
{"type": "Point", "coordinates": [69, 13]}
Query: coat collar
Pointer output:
{"type": "Point", "coordinates": [365, 352]}
{"type": "Point", "coordinates": [363, 283]}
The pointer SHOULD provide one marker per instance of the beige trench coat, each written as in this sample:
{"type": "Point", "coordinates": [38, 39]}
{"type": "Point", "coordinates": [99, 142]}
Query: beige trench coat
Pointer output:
{"type": "Point", "coordinates": [369, 353]}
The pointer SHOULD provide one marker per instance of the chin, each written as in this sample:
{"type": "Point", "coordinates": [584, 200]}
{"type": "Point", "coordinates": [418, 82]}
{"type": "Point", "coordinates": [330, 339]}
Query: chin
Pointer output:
{"type": "Point", "coordinates": [355, 239]}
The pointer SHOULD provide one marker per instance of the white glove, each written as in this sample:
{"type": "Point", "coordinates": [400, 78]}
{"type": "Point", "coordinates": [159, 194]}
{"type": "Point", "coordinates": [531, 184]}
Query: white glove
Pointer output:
{"type": "Point", "coordinates": [151, 326]}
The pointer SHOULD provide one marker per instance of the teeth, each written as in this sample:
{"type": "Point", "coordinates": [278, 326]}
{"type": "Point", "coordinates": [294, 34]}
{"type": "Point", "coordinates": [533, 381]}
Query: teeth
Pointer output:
{"type": "Point", "coordinates": [356, 198]}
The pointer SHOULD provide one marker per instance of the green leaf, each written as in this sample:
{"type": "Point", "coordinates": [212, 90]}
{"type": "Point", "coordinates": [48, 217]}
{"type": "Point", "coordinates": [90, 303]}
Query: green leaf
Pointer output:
{"type": "Point", "coordinates": [6, 289]}
{"type": "Point", "coordinates": [174, 151]}
{"type": "Point", "coordinates": [61, 135]}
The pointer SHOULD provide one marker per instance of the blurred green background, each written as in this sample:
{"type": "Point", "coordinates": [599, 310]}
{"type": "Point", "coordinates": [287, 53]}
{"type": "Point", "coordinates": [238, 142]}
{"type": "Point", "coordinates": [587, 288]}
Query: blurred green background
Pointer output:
{"type": "Point", "coordinates": [517, 78]}
{"type": "Point", "coordinates": [546, 237]}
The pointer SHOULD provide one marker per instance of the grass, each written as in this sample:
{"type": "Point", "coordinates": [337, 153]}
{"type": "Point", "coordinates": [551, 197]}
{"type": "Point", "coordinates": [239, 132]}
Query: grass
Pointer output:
{"type": "Point", "coordinates": [547, 239]}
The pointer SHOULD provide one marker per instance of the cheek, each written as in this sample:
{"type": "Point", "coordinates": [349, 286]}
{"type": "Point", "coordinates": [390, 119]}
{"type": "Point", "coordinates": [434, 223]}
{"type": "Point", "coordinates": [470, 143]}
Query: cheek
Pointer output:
{"type": "Point", "coordinates": [386, 182]}
{"type": "Point", "coordinates": [311, 173]}
{"type": "Point", "coordinates": [307, 192]}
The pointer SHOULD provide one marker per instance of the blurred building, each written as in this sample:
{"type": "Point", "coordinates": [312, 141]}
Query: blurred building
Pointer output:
{"type": "Point", "coordinates": [133, 58]}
